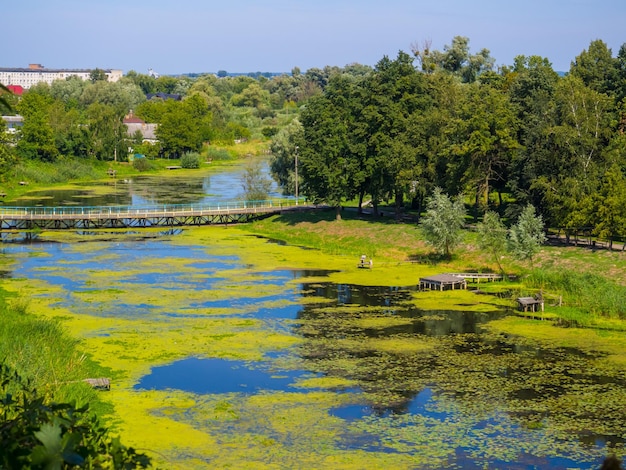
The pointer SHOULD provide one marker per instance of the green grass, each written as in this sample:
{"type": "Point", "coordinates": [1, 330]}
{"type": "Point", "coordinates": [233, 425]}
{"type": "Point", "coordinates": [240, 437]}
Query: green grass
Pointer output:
{"type": "Point", "coordinates": [580, 286]}
{"type": "Point", "coordinates": [590, 292]}
{"type": "Point", "coordinates": [42, 352]}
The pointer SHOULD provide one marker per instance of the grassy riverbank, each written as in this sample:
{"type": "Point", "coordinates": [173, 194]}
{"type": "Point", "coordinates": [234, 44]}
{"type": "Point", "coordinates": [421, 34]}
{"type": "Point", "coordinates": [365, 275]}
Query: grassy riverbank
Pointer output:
{"type": "Point", "coordinates": [41, 350]}
{"type": "Point", "coordinates": [581, 286]}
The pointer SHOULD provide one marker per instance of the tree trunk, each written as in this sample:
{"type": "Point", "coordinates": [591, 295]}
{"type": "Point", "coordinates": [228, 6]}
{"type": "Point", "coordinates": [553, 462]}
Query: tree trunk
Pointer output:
{"type": "Point", "coordinates": [361, 195]}
{"type": "Point", "coordinates": [399, 201]}
{"type": "Point", "coordinates": [338, 213]}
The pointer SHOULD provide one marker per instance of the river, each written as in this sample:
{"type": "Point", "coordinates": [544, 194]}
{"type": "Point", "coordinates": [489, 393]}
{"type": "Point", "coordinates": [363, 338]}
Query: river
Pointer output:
{"type": "Point", "coordinates": [222, 354]}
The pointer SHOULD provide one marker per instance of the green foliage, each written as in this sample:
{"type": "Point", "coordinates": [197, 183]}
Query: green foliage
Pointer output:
{"type": "Point", "coordinates": [455, 58]}
{"type": "Point", "coordinates": [588, 292]}
{"type": "Point", "coordinates": [330, 154]}
{"type": "Point", "coordinates": [37, 137]}
{"type": "Point", "coordinates": [256, 186]}
{"type": "Point", "coordinates": [142, 164]}
{"type": "Point", "coordinates": [36, 433]}
{"type": "Point", "coordinates": [443, 222]}
{"type": "Point", "coordinates": [492, 235]}
{"type": "Point", "coordinates": [269, 131]}
{"type": "Point", "coordinates": [61, 171]}
{"type": "Point", "coordinates": [190, 160]}
{"type": "Point", "coordinates": [215, 153]}
{"type": "Point", "coordinates": [527, 235]}
{"type": "Point", "coordinates": [179, 130]}
{"type": "Point", "coordinates": [4, 100]}
{"type": "Point", "coordinates": [283, 148]}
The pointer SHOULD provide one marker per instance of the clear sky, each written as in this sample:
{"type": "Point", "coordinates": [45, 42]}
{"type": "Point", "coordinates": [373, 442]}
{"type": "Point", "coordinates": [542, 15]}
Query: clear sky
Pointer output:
{"type": "Point", "coordinates": [185, 36]}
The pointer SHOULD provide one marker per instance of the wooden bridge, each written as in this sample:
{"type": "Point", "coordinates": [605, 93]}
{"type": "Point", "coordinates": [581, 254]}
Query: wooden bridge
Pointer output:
{"type": "Point", "coordinates": [167, 215]}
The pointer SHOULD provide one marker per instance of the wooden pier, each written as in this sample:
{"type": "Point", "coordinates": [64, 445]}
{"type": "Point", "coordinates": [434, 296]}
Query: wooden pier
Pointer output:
{"type": "Point", "coordinates": [99, 383]}
{"type": "Point", "coordinates": [456, 280]}
{"type": "Point", "coordinates": [477, 277]}
{"type": "Point", "coordinates": [443, 282]}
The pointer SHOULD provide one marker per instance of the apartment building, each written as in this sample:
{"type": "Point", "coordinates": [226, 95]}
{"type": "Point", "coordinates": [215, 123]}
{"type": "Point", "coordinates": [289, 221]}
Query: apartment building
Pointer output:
{"type": "Point", "coordinates": [36, 73]}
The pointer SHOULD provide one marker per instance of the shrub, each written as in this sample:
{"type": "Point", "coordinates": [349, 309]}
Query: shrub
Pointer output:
{"type": "Point", "coordinates": [37, 434]}
{"type": "Point", "coordinates": [218, 154]}
{"type": "Point", "coordinates": [190, 160]}
{"type": "Point", "coordinates": [141, 164]}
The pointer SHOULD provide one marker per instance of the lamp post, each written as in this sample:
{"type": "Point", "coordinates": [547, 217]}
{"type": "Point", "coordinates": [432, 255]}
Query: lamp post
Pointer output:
{"type": "Point", "coordinates": [296, 175]}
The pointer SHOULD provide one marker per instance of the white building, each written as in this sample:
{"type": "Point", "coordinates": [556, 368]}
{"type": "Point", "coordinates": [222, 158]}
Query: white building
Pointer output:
{"type": "Point", "coordinates": [36, 73]}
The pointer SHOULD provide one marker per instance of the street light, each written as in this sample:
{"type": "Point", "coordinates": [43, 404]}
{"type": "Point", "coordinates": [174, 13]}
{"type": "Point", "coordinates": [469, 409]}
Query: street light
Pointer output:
{"type": "Point", "coordinates": [296, 175]}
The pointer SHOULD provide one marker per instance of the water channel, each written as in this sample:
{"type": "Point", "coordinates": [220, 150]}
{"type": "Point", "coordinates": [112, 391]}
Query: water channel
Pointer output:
{"type": "Point", "coordinates": [289, 369]}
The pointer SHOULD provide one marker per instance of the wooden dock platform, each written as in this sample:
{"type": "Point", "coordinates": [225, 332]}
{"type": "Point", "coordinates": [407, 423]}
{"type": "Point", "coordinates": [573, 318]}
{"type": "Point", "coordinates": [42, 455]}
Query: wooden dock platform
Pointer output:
{"type": "Point", "coordinates": [443, 282]}
{"type": "Point", "coordinates": [99, 383]}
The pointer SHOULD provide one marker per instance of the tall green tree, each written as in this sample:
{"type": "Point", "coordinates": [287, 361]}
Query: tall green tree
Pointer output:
{"type": "Point", "coordinates": [37, 137]}
{"type": "Point", "coordinates": [393, 95]}
{"type": "Point", "coordinates": [443, 222]}
{"type": "Point", "coordinates": [455, 59]}
{"type": "Point", "coordinates": [330, 160]}
{"type": "Point", "coordinates": [527, 235]}
{"type": "Point", "coordinates": [284, 149]}
{"type": "Point", "coordinates": [178, 131]}
{"type": "Point", "coordinates": [107, 133]}
{"type": "Point", "coordinates": [7, 151]}
{"type": "Point", "coordinates": [492, 237]}
{"type": "Point", "coordinates": [532, 89]}
{"type": "Point", "coordinates": [609, 207]}
{"type": "Point", "coordinates": [596, 67]}
{"type": "Point", "coordinates": [485, 131]}
{"type": "Point", "coordinates": [255, 183]}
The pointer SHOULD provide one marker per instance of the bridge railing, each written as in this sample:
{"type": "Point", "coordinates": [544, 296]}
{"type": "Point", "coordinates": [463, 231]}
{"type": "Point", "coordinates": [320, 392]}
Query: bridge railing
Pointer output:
{"type": "Point", "coordinates": [147, 209]}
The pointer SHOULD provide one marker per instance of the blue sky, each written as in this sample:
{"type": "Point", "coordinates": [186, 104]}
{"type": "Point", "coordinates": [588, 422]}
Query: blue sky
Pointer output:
{"type": "Point", "coordinates": [184, 36]}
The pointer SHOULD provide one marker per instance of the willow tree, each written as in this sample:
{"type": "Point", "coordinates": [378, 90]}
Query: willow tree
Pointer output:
{"type": "Point", "coordinates": [442, 224]}
{"type": "Point", "coordinates": [527, 235]}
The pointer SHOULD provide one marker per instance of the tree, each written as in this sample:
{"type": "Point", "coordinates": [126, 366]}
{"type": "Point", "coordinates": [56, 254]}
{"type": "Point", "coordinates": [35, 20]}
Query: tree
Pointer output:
{"type": "Point", "coordinates": [609, 207]}
{"type": "Point", "coordinates": [329, 160]}
{"type": "Point", "coordinates": [5, 93]}
{"type": "Point", "coordinates": [282, 162]}
{"type": "Point", "coordinates": [596, 67]}
{"type": "Point", "coordinates": [485, 132]}
{"type": "Point", "coordinates": [7, 154]}
{"type": "Point", "coordinates": [123, 95]}
{"type": "Point", "coordinates": [443, 222]}
{"type": "Point", "coordinates": [527, 236]}
{"type": "Point", "coordinates": [392, 96]}
{"type": "Point", "coordinates": [532, 90]}
{"type": "Point", "coordinates": [37, 137]}
{"type": "Point", "coordinates": [455, 59]}
{"type": "Point", "coordinates": [107, 132]}
{"type": "Point", "coordinates": [180, 129]}
{"type": "Point", "coordinates": [492, 236]}
{"type": "Point", "coordinates": [98, 75]}
{"type": "Point", "coordinates": [256, 185]}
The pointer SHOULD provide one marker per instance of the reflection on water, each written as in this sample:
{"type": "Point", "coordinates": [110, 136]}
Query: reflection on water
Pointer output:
{"type": "Point", "coordinates": [197, 375]}
{"type": "Point", "coordinates": [146, 190]}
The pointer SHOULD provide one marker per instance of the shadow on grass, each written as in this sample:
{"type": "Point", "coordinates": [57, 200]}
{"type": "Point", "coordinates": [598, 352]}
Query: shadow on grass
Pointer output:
{"type": "Point", "coordinates": [432, 258]}
{"type": "Point", "coordinates": [329, 215]}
